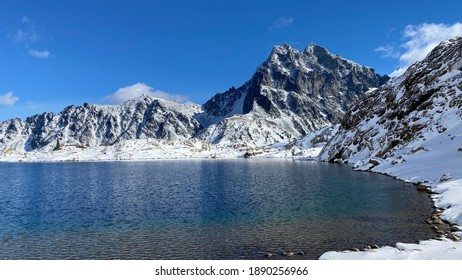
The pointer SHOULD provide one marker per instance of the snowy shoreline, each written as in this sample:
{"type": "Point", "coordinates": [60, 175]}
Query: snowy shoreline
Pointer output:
{"type": "Point", "coordinates": [432, 164]}
{"type": "Point", "coordinates": [446, 197]}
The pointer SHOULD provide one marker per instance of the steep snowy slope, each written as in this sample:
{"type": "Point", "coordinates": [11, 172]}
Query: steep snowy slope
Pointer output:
{"type": "Point", "coordinates": [415, 117]}
{"type": "Point", "coordinates": [290, 94]}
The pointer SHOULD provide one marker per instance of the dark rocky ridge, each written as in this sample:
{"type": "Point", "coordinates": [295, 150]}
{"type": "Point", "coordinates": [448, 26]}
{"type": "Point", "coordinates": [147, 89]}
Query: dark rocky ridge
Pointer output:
{"type": "Point", "coordinates": [308, 90]}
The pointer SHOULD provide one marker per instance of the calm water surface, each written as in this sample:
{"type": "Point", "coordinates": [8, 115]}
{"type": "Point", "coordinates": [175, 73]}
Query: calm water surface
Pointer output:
{"type": "Point", "coordinates": [217, 209]}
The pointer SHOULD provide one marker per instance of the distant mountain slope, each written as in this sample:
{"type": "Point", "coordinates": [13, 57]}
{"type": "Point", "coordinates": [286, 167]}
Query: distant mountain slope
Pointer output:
{"type": "Point", "coordinates": [96, 125]}
{"type": "Point", "coordinates": [290, 94]}
{"type": "Point", "coordinates": [415, 121]}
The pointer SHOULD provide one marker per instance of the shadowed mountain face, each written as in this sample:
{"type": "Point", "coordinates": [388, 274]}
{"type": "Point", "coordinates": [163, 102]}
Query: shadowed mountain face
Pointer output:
{"type": "Point", "coordinates": [290, 94]}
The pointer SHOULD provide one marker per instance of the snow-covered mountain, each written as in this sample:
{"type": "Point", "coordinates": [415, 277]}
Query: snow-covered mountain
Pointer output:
{"type": "Point", "coordinates": [96, 125]}
{"type": "Point", "coordinates": [412, 126]}
{"type": "Point", "coordinates": [290, 94]}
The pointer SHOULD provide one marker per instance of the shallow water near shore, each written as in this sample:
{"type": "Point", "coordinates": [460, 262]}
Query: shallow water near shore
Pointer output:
{"type": "Point", "coordinates": [202, 209]}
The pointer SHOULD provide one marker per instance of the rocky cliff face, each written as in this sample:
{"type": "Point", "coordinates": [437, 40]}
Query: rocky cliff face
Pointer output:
{"type": "Point", "coordinates": [94, 125]}
{"type": "Point", "coordinates": [413, 116]}
{"type": "Point", "coordinates": [290, 94]}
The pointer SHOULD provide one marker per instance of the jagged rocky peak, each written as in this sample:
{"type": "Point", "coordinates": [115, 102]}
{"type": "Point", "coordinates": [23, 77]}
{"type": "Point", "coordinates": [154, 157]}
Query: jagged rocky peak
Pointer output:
{"type": "Point", "coordinates": [223, 105]}
{"type": "Point", "coordinates": [296, 92]}
{"type": "Point", "coordinates": [404, 116]}
{"type": "Point", "coordinates": [315, 74]}
{"type": "Point", "coordinates": [325, 58]}
{"type": "Point", "coordinates": [284, 53]}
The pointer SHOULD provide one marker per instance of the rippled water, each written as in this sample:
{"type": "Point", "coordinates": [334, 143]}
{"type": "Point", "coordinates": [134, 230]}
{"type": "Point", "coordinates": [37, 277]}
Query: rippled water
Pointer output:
{"type": "Point", "coordinates": [217, 209]}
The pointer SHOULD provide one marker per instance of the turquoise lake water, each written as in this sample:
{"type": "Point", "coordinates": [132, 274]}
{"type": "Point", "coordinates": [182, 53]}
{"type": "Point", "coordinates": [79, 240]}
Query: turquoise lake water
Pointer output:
{"type": "Point", "coordinates": [201, 209]}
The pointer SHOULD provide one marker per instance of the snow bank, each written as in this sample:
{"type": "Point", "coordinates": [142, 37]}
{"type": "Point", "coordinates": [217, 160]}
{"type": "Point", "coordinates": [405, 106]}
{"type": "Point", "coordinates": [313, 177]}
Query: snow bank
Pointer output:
{"type": "Point", "coordinates": [449, 197]}
{"type": "Point", "coordinates": [426, 250]}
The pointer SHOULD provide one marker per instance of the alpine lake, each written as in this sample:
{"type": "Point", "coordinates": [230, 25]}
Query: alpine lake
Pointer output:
{"type": "Point", "coordinates": [202, 209]}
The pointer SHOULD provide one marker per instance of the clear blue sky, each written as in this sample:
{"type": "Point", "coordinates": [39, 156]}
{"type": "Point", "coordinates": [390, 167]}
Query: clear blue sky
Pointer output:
{"type": "Point", "coordinates": [57, 53]}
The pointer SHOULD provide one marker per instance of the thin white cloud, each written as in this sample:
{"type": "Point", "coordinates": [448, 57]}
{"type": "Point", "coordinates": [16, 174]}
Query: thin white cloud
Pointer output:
{"type": "Point", "coordinates": [25, 19]}
{"type": "Point", "coordinates": [388, 51]}
{"type": "Point", "coordinates": [281, 22]}
{"type": "Point", "coordinates": [39, 54]}
{"type": "Point", "coordinates": [27, 36]}
{"type": "Point", "coordinates": [31, 105]}
{"type": "Point", "coordinates": [419, 41]}
{"type": "Point", "coordinates": [390, 32]}
{"type": "Point", "coordinates": [27, 33]}
{"type": "Point", "coordinates": [23, 36]}
{"type": "Point", "coordinates": [139, 89]}
{"type": "Point", "coordinates": [8, 99]}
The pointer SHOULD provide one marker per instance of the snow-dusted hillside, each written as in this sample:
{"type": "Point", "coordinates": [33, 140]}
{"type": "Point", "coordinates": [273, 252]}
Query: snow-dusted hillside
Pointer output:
{"type": "Point", "coordinates": [415, 118]}
{"type": "Point", "coordinates": [95, 125]}
{"type": "Point", "coordinates": [411, 128]}
{"type": "Point", "coordinates": [154, 149]}
{"type": "Point", "coordinates": [291, 94]}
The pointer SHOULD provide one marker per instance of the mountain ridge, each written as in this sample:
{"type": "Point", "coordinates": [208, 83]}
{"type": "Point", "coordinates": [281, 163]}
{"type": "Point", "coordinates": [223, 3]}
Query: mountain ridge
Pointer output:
{"type": "Point", "coordinates": [291, 94]}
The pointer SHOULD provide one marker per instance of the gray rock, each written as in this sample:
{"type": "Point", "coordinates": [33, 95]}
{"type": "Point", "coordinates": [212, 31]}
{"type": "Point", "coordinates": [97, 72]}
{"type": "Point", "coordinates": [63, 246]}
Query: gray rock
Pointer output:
{"type": "Point", "coordinates": [421, 187]}
{"type": "Point", "coordinates": [453, 237]}
{"type": "Point", "coordinates": [446, 177]}
{"type": "Point", "coordinates": [367, 248]}
{"type": "Point", "coordinates": [454, 228]}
